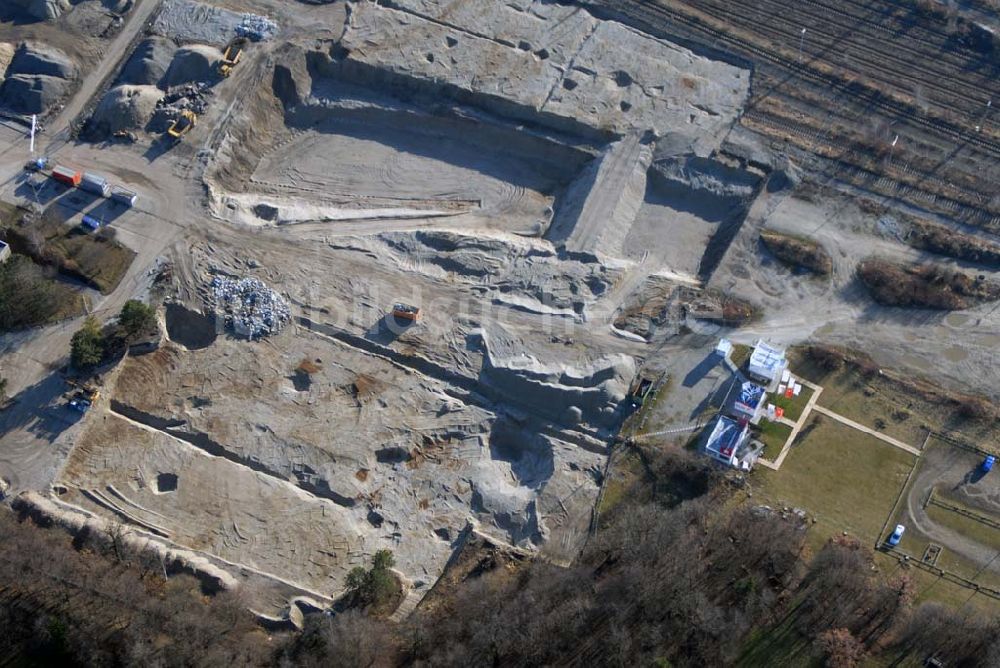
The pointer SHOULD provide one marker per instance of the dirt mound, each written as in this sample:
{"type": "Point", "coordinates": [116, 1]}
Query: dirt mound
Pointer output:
{"type": "Point", "coordinates": [43, 9]}
{"type": "Point", "coordinates": [6, 56]}
{"type": "Point", "coordinates": [924, 286]}
{"type": "Point", "coordinates": [149, 62]}
{"type": "Point", "coordinates": [192, 64]}
{"type": "Point", "coordinates": [35, 58]}
{"type": "Point", "coordinates": [37, 78]}
{"type": "Point", "coordinates": [125, 108]}
{"type": "Point", "coordinates": [31, 94]}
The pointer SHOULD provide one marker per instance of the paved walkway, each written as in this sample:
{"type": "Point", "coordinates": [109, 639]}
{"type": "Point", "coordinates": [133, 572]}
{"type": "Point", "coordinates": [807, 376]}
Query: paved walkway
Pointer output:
{"type": "Point", "coordinates": [868, 430]}
{"type": "Point", "coordinates": [796, 427]}
{"type": "Point", "coordinates": [812, 406]}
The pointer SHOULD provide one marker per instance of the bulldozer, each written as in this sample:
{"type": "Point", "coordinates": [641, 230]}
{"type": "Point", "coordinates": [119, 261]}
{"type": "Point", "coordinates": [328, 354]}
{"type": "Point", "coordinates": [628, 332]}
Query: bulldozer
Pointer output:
{"type": "Point", "coordinates": [182, 125]}
{"type": "Point", "coordinates": [231, 57]}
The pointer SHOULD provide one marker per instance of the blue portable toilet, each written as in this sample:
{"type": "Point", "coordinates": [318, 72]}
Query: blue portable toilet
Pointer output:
{"type": "Point", "coordinates": [90, 222]}
{"type": "Point", "coordinates": [988, 463]}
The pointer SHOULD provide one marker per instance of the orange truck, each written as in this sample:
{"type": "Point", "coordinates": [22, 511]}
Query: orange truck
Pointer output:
{"type": "Point", "coordinates": [67, 175]}
{"type": "Point", "coordinates": [406, 312]}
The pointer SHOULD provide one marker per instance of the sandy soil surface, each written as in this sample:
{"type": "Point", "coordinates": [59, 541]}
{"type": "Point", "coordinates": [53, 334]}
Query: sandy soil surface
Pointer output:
{"type": "Point", "coordinates": [401, 161]}
{"type": "Point", "coordinates": [960, 347]}
{"type": "Point", "coordinates": [522, 172]}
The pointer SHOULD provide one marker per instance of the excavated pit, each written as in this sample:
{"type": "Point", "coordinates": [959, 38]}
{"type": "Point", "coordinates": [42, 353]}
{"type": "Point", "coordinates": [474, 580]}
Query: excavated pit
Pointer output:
{"type": "Point", "coordinates": [527, 206]}
{"type": "Point", "coordinates": [406, 460]}
{"type": "Point", "coordinates": [191, 329]}
{"type": "Point", "coordinates": [346, 152]}
{"type": "Point", "coordinates": [166, 482]}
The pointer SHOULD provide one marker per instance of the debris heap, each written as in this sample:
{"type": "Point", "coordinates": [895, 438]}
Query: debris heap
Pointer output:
{"type": "Point", "coordinates": [190, 96]}
{"type": "Point", "coordinates": [256, 27]}
{"type": "Point", "coordinates": [250, 307]}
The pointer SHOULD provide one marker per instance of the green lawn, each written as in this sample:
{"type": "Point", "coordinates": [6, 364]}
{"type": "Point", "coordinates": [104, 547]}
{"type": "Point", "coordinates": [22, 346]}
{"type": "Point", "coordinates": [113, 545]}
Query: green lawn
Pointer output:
{"type": "Point", "coordinates": [847, 480]}
{"type": "Point", "coordinates": [978, 531]}
{"type": "Point", "coordinates": [794, 406]}
{"type": "Point", "coordinates": [740, 355]}
{"type": "Point", "coordinates": [773, 435]}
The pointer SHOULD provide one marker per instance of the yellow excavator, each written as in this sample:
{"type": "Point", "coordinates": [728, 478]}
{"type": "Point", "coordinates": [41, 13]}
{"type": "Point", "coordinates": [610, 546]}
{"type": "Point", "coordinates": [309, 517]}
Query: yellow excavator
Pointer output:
{"type": "Point", "coordinates": [231, 57]}
{"type": "Point", "coordinates": [182, 124]}
{"type": "Point", "coordinates": [84, 397]}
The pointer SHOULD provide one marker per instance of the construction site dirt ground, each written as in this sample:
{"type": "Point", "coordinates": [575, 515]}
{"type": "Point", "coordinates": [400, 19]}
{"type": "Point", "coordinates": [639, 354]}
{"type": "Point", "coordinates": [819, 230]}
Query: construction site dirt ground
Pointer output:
{"type": "Point", "coordinates": [525, 173]}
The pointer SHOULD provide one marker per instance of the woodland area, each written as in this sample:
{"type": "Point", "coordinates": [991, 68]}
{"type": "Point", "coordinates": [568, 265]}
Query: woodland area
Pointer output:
{"type": "Point", "coordinates": [665, 581]}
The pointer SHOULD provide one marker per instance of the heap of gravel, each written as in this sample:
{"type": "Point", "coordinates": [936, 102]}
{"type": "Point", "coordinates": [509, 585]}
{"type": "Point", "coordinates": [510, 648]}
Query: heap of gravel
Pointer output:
{"type": "Point", "coordinates": [192, 64]}
{"type": "Point", "coordinates": [249, 307]}
{"type": "Point", "coordinates": [6, 55]}
{"type": "Point", "coordinates": [149, 62]}
{"type": "Point", "coordinates": [38, 58]}
{"type": "Point", "coordinates": [37, 78]}
{"type": "Point", "coordinates": [125, 107]}
{"type": "Point", "coordinates": [43, 9]}
{"type": "Point", "coordinates": [118, 6]}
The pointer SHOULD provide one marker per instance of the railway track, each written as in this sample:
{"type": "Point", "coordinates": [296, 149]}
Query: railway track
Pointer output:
{"type": "Point", "coordinates": [654, 16]}
{"type": "Point", "coordinates": [888, 62]}
{"type": "Point", "coordinates": [908, 180]}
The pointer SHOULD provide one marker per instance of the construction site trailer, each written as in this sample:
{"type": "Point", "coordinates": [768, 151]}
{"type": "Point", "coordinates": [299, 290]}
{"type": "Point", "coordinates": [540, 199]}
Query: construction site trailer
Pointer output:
{"type": "Point", "coordinates": [95, 183]}
{"type": "Point", "coordinates": [123, 196]}
{"type": "Point", "coordinates": [4, 252]}
{"type": "Point", "coordinates": [66, 175]}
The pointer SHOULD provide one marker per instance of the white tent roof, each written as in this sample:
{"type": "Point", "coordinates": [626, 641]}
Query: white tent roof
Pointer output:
{"type": "Point", "coordinates": [766, 360]}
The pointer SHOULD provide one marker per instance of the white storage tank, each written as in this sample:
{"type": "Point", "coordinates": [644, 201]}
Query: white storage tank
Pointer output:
{"type": "Point", "coordinates": [123, 196]}
{"type": "Point", "coordinates": [96, 184]}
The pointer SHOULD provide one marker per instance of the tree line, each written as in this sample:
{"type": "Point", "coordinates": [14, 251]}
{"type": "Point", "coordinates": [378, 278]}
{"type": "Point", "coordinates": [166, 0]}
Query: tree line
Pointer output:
{"type": "Point", "coordinates": [664, 582]}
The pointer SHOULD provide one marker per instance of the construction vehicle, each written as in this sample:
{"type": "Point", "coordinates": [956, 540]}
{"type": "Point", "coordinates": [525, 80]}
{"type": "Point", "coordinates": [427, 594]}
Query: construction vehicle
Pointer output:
{"type": "Point", "coordinates": [87, 391]}
{"type": "Point", "coordinates": [126, 136]}
{"type": "Point", "coordinates": [37, 164]}
{"type": "Point", "coordinates": [402, 311]}
{"type": "Point", "coordinates": [182, 124]}
{"type": "Point", "coordinates": [231, 57]}
{"type": "Point", "coordinates": [80, 403]}
{"type": "Point", "coordinates": [67, 175]}
{"type": "Point", "coordinates": [84, 397]}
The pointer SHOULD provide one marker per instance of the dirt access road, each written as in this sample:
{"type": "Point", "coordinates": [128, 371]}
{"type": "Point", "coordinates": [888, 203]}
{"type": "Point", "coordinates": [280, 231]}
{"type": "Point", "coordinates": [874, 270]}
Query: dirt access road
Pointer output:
{"type": "Point", "coordinates": [58, 131]}
{"type": "Point", "coordinates": [37, 430]}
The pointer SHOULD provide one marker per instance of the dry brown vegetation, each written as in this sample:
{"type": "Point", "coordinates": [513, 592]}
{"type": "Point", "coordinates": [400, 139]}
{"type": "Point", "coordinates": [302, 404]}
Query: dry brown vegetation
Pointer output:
{"type": "Point", "coordinates": [92, 601]}
{"type": "Point", "coordinates": [924, 286]}
{"type": "Point", "coordinates": [720, 308]}
{"type": "Point", "coordinates": [663, 580]}
{"type": "Point", "coordinates": [30, 297]}
{"type": "Point", "coordinates": [798, 252]}
{"type": "Point", "coordinates": [936, 238]}
{"type": "Point", "coordinates": [969, 406]}
{"type": "Point", "coordinates": [96, 259]}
